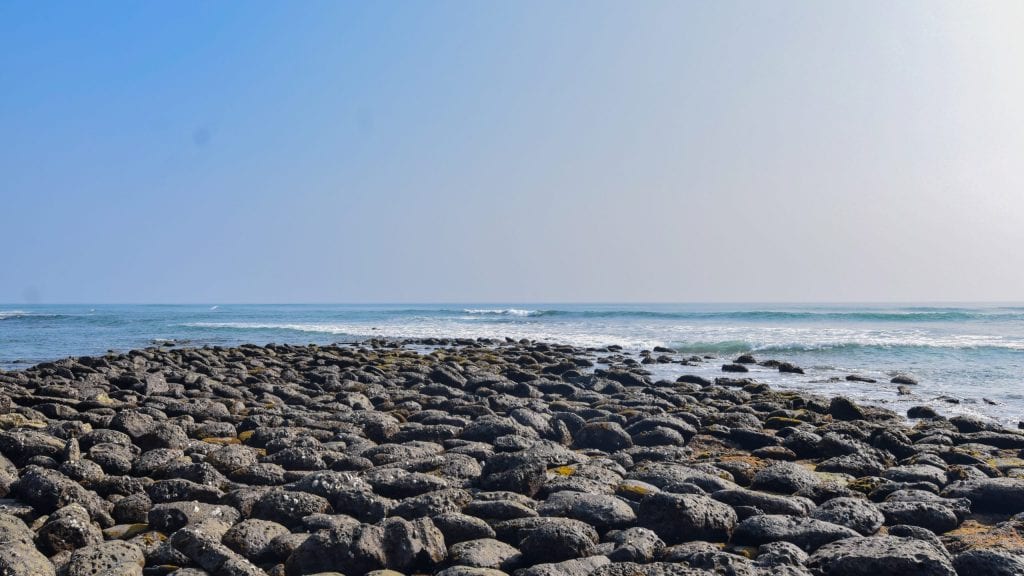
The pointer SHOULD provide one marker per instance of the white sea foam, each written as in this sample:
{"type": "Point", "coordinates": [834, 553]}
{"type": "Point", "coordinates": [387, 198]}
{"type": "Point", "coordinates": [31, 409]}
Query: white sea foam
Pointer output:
{"type": "Point", "coordinates": [724, 339]}
{"type": "Point", "coordinates": [4, 314]}
{"type": "Point", "coordinates": [503, 312]}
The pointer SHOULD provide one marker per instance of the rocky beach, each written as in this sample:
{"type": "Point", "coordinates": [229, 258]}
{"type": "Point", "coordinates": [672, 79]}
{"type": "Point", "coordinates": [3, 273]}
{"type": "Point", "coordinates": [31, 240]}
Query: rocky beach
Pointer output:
{"type": "Point", "coordinates": [485, 457]}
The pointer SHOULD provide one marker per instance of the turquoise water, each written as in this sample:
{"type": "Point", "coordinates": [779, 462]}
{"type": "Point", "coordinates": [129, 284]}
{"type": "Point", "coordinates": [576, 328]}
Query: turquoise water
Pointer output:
{"type": "Point", "coordinates": [970, 353]}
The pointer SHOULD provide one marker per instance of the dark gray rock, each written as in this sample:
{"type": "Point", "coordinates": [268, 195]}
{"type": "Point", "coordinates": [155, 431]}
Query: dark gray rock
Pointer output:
{"type": "Point", "coordinates": [776, 554]}
{"type": "Point", "coordinates": [880, 556]}
{"type": "Point", "coordinates": [767, 503]}
{"type": "Point", "coordinates": [557, 542]}
{"type": "Point", "coordinates": [171, 516]}
{"type": "Point", "coordinates": [989, 563]}
{"type": "Point", "coordinates": [413, 546]}
{"type": "Point", "coordinates": [69, 528]}
{"type": "Point", "coordinates": [784, 477]}
{"type": "Point", "coordinates": [18, 554]}
{"type": "Point", "coordinates": [807, 533]}
{"type": "Point", "coordinates": [599, 510]}
{"type": "Point", "coordinates": [205, 549]}
{"type": "Point", "coordinates": [289, 508]}
{"type": "Point", "coordinates": [47, 490]}
{"type": "Point", "coordinates": [352, 550]}
{"type": "Point", "coordinates": [636, 545]}
{"type": "Point", "coordinates": [461, 527]}
{"type": "Point", "coordinates": [1003, 495]}
{"type": "Point", "coordinates": [855, 513]}
{"type": "Point", "coordinates": [605, 436]}
{"type": "Point", "coordinates": [251, 538]}
{"type": "Point", "coordinates": [678, 517]}
{"type": "Point", "coordinates": [484, 553]}
{"type": "Point", "coordinates": [95, 559]}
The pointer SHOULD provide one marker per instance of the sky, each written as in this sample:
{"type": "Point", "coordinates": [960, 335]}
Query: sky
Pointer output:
{"type": "Point", "coordinates": [164, 152]}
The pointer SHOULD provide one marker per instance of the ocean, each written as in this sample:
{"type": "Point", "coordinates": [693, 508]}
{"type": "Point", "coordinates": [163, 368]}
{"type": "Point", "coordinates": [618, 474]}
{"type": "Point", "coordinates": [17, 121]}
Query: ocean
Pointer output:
{"type": "Point", "coordinates": [966, 358]}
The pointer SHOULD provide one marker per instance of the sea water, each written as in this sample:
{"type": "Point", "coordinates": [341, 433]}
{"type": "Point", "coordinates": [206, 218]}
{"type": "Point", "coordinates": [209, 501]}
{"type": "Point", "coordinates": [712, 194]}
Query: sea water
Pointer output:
{"type": "Point", "coordinates": [966, 358]}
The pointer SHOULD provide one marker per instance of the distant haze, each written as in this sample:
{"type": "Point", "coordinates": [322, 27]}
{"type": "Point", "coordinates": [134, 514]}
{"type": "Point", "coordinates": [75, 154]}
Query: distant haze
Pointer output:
{"type": "Point", "coordinates": [514, 151]}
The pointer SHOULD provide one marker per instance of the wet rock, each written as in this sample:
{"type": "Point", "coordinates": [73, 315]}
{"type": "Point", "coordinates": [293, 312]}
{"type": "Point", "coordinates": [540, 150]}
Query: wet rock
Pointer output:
{"type": "Point", "coordinates": [922, 412]}
{"type": "Point", "coordinates": [903, 379]}
{"type": "Point", "coordinates": [843, 408]}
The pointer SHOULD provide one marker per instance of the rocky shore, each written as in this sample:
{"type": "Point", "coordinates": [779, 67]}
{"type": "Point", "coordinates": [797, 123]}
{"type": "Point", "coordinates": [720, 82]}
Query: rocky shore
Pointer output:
{"type": "Point", "coordinates": [483, 458]}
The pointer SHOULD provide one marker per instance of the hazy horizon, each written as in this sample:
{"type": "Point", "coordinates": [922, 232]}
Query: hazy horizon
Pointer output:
{"type": "Point", "coordinates": [656, 152]}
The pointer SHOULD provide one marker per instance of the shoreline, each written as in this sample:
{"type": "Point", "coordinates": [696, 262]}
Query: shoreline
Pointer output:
{"type": "Point", "coordinates": [510, 456]}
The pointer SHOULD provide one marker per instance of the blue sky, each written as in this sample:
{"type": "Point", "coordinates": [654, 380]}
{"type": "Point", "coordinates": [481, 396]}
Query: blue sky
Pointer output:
{"type": "Point", "coordinates": [526, 151]}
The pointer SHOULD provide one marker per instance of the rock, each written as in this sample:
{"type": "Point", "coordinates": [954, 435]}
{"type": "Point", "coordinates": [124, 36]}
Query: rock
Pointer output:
{"type": "Point", "coordinates": [461, 527]}
{"type": "Point", "coordinates": [807, 533]}
{"type": "Point", "coordinates": [922, 412]}
{"type": "Point", "coordinates": [678, 517]}
{"type": "Point", "coordinates": [47, 490]}
{"type": "Point", "coordinates": [251, 538]}
{"type": "Point", "coordinates": [854, 513]}
{"type": "Point", "coordinates": [775, 554]}
{"type": "Point", "coordinates": [557, 542]}
{"type": "Point", "coordinates": [791, 368]}
{"type": "Point", "coordinates": [484, 553]}
{"type": "Point", "coordinates": [69, 528]}
{"type": "Point", "coordinates": [767, 503]}
{"type": "Point", "coordinates": [1003, 495]}
{"type": "Point", "coordinates": [601, 511]}
{"type": "Point", "coordinates": [413, 546]}
{"type": "Point", "coordinates": [205, 549]}
{"type": "Point", "coordinates": [880, 556]}
{"type": "Point", "coordinates": [636, 545]}
{"type": "Point", "coordinates": [352, 550]}
{"type": "Point", "coordinates": [734, 368]}
{"type": "Point", "coordinates": [693, 379]}
{"type": "Point", "coordinates": [577, 567]}
{"type": "Point", "coordinates": [230, 458]}
{"type": "Point", "coordinates": [605, 436]}
{"type": "Point", "coordinates": [95, 559]}
{"type": "Point", "coordinates": [904, 379]}
{"type": "Point", "coordinates": [289, 508]}
{"type": "Point", "coordinates": [171, 516]}
{"type": "Point", "coordinates": [784, 477]}
{"type": "Point", "coordinates": [859, 378]}
{"type": "Point", "coordinates": [989, 563]}
{"type": "Point", "coordinates": [18, 554]}
{"type": "Point", "coordinates": [843, 408]}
